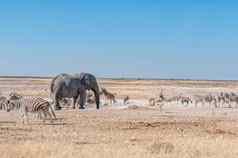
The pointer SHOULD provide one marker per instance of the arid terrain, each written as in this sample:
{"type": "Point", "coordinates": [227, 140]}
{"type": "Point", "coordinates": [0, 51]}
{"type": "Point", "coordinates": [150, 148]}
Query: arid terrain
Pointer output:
{"type": "Point", "coordinates": [118, 130]}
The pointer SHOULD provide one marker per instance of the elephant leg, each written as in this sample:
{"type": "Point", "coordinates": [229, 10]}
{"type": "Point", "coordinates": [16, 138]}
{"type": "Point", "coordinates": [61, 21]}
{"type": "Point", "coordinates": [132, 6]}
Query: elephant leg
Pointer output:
{"type": "Point", "coordinates": [74, 101]}
{"type": "Point", "coordinates": [56, 102]}
{"type": "Point", "coordinates": [82, 99]}
{"type": "Point", "coordinates": [97, 98]}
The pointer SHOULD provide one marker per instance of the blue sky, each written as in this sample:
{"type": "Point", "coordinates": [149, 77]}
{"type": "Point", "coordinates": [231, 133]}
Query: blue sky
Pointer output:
{"type": "Point", "coordinates": [123, 38]}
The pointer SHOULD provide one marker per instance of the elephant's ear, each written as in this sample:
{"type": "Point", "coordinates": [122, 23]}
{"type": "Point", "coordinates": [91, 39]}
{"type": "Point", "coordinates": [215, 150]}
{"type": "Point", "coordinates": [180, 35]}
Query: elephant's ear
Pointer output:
{"type": "Point", "coordinates": [67, 82]}
{"type": "Point", "coordinates": [81, 75]}
{"type": "Point", "coordinates": [84, 79]}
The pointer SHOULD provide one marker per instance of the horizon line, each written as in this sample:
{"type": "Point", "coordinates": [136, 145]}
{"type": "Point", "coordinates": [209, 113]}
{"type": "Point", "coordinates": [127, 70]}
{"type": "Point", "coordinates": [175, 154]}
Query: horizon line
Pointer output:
{"type": "Point", "coordinates": [117, 78]}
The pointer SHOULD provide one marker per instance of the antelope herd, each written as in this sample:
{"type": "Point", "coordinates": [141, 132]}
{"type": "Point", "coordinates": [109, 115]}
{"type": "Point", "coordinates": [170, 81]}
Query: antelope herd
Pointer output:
{"type": "Point", "coordinates": [220, 100]}
{"type": "Point", "coordinates": [213, 100]}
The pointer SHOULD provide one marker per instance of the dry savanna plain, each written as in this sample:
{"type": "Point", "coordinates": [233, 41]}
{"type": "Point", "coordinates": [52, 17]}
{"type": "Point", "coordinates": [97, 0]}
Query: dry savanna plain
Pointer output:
{"type": "Point", "coordinates": [135, 130]}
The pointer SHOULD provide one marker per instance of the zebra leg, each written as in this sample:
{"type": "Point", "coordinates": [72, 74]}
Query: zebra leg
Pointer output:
{"type": "Point", "coordinates": [45, 115]}
{"type": "Point", "coordinates": [4, 106]}
{"type": "Point", "coordinates": [37, 116]}
{"type": "Point", "coordinates": [49, 114]}
{"type": "Point", "coordinates": [22, 118]}
{"type": "Point", "coordinates": [22, 115]}
{"type": "Point", "coordinates": [216, 104]}
{"type": "Point", "coordinates": [52, 111]}
{"type": "Point", "coordinates": [41, 115]}
{"type": "Point", "coordinates": [25, 117]}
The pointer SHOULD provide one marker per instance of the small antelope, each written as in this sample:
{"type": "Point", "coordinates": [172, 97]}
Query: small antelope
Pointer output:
{"type": "Point", "coordinates": [126, 100]}
{"type": "Point", "coordinates": [109, 96]}
{"type": "Point", "coordinates": [151, 102]}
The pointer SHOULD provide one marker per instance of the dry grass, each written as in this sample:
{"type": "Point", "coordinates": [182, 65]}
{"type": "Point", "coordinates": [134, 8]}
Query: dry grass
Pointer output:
{"type": "Point", "coordinates": [102, 134]}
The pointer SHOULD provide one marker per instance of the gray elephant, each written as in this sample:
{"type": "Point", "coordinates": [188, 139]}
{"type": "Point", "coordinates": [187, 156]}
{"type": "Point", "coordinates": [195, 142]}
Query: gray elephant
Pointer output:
{"type": "Point", "coordinates": [74, 86]}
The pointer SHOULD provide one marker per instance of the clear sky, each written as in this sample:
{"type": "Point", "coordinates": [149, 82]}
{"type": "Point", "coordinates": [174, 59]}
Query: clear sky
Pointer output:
{"type": "Point", "coordinates": [124, 38]}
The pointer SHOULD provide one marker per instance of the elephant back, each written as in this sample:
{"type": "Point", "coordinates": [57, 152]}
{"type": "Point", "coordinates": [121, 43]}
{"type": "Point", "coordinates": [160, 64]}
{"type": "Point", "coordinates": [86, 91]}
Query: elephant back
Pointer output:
{"type": "Point", "coordinates": [58, 78]}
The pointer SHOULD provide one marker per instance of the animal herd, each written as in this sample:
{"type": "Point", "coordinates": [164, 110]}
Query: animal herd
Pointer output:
{"type": "Point", "coordinates": [84, 89]}
{"type": "Point", "coordinates": [218, 100]}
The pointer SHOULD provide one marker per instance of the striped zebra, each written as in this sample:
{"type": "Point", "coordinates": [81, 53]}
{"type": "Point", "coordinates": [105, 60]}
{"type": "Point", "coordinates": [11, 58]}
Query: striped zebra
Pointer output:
{"type": "Point", "coordinates": [31, 105]}
{"type": "Point", "coordinates": [3, 102]}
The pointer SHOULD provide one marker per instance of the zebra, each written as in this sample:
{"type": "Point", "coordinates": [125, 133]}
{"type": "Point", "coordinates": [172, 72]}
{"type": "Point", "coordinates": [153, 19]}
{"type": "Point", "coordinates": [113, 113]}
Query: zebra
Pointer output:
{"type": "Point", "coordinates": [31, 105]}
{"type": "Point", "coordinates": [233, 98]}
{"type": "Point", "coordinates": [221, 99]}
{"type": "Point", "coordinates": [210, 99]}
{"type": "Point", "coordinates": [186, 100]}
{"type": "Point", "coordinates": [3, 101]}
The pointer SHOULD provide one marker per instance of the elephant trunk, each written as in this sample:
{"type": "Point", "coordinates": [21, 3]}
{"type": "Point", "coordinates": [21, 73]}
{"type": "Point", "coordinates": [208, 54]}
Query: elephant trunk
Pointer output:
{"type": "Point", "coordinates": [97, 96]}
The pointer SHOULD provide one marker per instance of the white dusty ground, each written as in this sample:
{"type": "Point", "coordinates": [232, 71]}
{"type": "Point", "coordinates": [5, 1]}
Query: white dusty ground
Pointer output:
{"type": "Point", "coordinates": [175, 109]}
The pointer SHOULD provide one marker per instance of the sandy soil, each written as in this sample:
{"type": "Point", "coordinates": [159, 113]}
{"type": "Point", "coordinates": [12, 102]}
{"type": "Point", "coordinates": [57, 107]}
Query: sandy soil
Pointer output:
{"type": "Point", "coordinates": [123, 131]}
